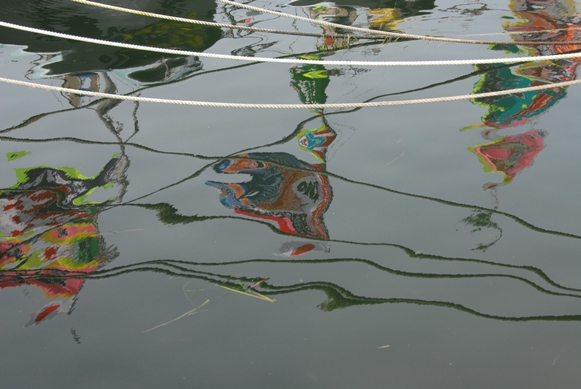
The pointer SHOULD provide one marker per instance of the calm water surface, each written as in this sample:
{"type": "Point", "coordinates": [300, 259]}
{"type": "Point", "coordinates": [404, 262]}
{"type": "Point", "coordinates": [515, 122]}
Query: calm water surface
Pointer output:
{"type": "Point", "coordinates": [421, 246]}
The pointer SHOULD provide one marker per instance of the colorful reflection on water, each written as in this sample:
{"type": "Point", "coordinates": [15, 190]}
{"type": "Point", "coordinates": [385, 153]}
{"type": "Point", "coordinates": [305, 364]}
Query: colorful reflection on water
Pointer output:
{"type": "Point", "coordinates": [49, 232]}
{"type": "Point", "coordinates": [372, 237]}
{"type": "Point", "coordinates": [532, 21]}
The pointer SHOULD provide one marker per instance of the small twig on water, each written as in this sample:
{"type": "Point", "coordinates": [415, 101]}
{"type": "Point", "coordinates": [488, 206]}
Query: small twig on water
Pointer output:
{"type": "Point", "coordinates": [258, 283]}
{"type": "Point", "coordinates": [396, 158]}
{"type": "Point", "coordinates": [119, 232]}
{"type": "Point", "coordinates": [190, 312]}
{"type": "Point", "coordinates": [250, 293]}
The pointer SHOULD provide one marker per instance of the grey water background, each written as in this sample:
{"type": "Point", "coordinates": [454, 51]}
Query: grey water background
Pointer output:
{"type": "Point", "coordinates": [470, 278]}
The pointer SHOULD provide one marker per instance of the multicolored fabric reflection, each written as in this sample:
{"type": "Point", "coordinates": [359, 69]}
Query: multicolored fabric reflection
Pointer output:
{"type": "Point", "coordinates": [316, 141]}
{"type": "Point", "coordinates": [539, 21]}
{"type": "Point", "coordinates": [49, 235]}
{"type": "Point", "coordinates": [283, 189]}
{"type": "Point", "coordinates": [509, 155]}
{"type": "Point", "coordinates": [329, 12]}
{"type": "Point", "coordinates": [310, 82]}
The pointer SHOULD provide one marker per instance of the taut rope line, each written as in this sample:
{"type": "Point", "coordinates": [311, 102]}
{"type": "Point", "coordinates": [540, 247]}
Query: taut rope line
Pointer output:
{"type": "Point", "coordinates": [388, 33]}
{"type": "Point", "coordinates": [294, 61]}
{"type": "Point", "coordinates": [289, 106]}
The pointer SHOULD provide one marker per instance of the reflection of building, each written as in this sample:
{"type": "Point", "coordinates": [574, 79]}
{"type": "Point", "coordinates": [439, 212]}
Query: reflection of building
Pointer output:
{"type": "Point", "coordinates": [283, 189]}
{"type": "Point", "coordinates": [49, 235]}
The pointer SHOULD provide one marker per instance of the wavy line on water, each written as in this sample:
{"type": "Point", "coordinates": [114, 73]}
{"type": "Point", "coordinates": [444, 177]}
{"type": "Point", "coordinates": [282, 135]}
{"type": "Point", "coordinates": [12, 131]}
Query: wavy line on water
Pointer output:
{"type": "Point", "coordinates": [515, 218]}
{"type": "Point", "coordinates": [343, 298]}
{"type": "Point", "coordinates": [339, 297]}
{"type": "Point", "coordinates": [368, 262]}
{"type": "Point", "coordinates": [167, 214]}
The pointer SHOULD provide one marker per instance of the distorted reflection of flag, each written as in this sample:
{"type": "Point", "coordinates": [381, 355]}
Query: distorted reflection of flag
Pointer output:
{"type": "Point", "coordinates": [49, 235]}
{"type": "Point", "coordinates": [283, 189]}
{"type": "Point", "coordinates": [316, 141]}
{"type": "Point", "coordinates": [555, 21]}
{"type": "Point", "coordinates": [310, 82]}
{"type": "Point", "coordinates": [544, 21]}
{"type": "Point", "coordinates": [509, 155]}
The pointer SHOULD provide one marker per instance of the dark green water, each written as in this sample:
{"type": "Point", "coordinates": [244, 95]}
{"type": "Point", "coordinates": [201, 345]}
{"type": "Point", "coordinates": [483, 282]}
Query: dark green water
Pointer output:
{"type": "Point", "coordinates": [419, 246]}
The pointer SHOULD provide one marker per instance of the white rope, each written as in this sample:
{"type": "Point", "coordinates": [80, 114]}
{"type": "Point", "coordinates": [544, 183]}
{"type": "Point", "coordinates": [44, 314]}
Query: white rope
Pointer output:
{"type": "Point", "coordinates": [289, 106]}
{"type": "Point", "coordinates": [294, 60]}
{"type": "Point", "coordinates": [385, 33]}
{"type": "Point", "coordinates": [202, 22]}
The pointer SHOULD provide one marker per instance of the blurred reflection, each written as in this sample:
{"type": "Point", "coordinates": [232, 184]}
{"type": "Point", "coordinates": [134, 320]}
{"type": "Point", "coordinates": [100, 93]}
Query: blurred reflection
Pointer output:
{"type": "Point", "coordinates": [329, 12]}
{"type": "Point", "coordinates": [379, 14]}
{"type": "Point", "coordinates": [538, 21]}
{"type": "Point", "coordinates": [283, 189]}
{"type": "Point", "coordinates": [310, 82]}
{"type": "Point", "coordinates": [49, 233]}
{"type": "Point", "coordinates": [88, 62]}
{"type": "Point", "coordinates": [509, 155]}
{"type": "Point", "coordinates": [338, 296]}
{"type": "Point", "coordinates": [535, 21]}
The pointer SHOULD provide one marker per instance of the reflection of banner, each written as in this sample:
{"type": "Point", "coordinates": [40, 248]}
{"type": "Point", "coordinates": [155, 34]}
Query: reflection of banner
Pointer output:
{"type": "Point", "coordinates": [511, 154]}
{"type": "Point", "coordinates": [512, 110]}
{"type": "Point", "coordinates": [48, 231]}
{"type": "Point", "coordinates": [310, 82]}
{"type": "Point", "coordinates": [284, 189]}
{"type": "Point", "coordinates": [316, 141]}
{"type": "Point", "coordinates": [539, 21]}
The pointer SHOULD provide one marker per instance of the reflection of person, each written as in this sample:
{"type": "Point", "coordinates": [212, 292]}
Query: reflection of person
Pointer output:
{"type": "Point", "coordinates": [48, 231]}
{"type": "Point", "coordinates": [284, 189]}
